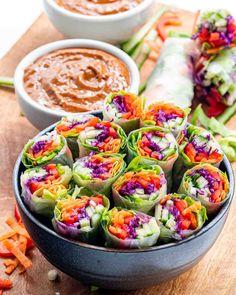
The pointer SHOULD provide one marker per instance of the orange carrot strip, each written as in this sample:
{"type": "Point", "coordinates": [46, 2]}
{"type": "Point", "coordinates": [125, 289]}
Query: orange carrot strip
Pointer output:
{"type": "Point", "coordinates": [17, 253]}
{"type": "Point", "coordinates": [17, 227]}
{"type": "Point", "coordinates": [7, 235]}
{"type": "Point", "coordinates": [9, 270]}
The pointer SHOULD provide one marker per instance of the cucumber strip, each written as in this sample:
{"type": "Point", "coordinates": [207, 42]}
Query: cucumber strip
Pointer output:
{"type": "Point", "coordinates": [137, 38]}
{"type": "Point", "coordinates": [7, 82]}
{"type": "Point", "coordinates": [227, 114]}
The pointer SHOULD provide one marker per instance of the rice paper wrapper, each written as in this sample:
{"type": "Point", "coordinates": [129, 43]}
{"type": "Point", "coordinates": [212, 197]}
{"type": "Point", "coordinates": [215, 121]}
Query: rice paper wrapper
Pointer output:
{"type": "Point", "coordinates": [87, 236]}
{"type": "Point", "coordinates": [115, 242]}
{"type": "Point", "coordinates": [167, 235]}
{"type": "Point", "coordinates": [137, 203]}
{"type": "Point", "coordinates": [98, 185]}
{"type": "Point", "coordinates": [212, 208]}
{"type": "Point", "coordinates": [64, 156]}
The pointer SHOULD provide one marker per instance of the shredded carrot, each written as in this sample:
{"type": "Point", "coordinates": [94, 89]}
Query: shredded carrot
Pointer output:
{"type": "Point", "coordinates": [17, 253]}
{"type": "Point", "coordinates": [12, 266]}
{"type": "Point", "coordinates": [7, 235]}
{"type": "Point", "coordinates": [195, 21]}
{"type": "Point", "coordinates": [218, 49]}
{"type": "Point", "coordinates": [5, 284]}
{"type": "Point", "coordinates": [17, 227]}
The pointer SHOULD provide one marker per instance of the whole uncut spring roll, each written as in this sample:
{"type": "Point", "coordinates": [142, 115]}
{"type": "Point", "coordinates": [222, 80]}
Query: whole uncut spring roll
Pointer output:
{"type": "Point", "coordinates": [141, 186]}
{"type": "Point", "coordinates": [198, 146]}
{"type": "Point", "coordinates": [215, 30]}
{"type": "Point", "coordinates": [71, 126]}
{"type": "Point", "coordinates": [48, 148]}
{"type": "Point", "coordinates": [172, 79]}
{"type": "Point", "coordinates": [98, 172]}
{"type": "Point", "coordinates": [78, 216]}
{"type": "Point", "coordinates": [104, 137]}
{"type": "Point", "coordinates": [129, 229]}
{"type": "Point", "coordinates": [124, 109]}
{"type": "Point", "coordinates": [215, 81]}
{"type": "Point", "coordinates": [179, 216]}
{"type": "Point", "coordinates": [168, 116]}
{"type": "Point", "coordinates": [207, 184]}
{"type": "Point", "coordinates": [156, 143]}
{"type": "Point", "coordinates": [43, 186]}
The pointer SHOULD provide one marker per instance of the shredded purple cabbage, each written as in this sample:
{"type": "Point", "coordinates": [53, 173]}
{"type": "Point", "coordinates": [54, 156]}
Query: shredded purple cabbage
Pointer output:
{"type": "Point", "coordinates": [119, 103]}
{"type": "Point", "coordinates": [38, 146]}
{"type": "Point", "coordinates": [164, 117]}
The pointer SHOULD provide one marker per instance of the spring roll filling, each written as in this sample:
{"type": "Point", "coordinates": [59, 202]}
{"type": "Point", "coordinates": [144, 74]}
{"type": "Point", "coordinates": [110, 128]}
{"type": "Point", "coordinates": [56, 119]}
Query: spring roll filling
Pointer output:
{"type": "Point", "coordinates": [72, 126]}
{"type": "Point", "coordinates": [130, 225]}
{"type": "Point", "coordinates": [157, 145]}
{"type": "Point", "coordinates": [208, 184]}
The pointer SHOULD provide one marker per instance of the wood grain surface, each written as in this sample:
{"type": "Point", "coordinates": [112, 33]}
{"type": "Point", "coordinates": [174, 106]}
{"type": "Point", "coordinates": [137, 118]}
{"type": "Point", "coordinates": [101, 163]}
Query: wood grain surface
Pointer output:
{"type": "Point", "coordinates": [214, 275]}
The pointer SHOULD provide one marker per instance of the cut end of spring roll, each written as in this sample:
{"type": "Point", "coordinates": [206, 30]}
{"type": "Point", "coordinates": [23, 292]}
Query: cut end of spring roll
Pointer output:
{"type": "Point", "coordinates": [43, 186]}
{"type": "Point", "coordinates": [179, 216]}
{"type": "Point", "coordinates": [125, 109]}
{"type": "Point", "coordinates": [141, 186]}
{"type": "Point", "coordinates": [78, 216]}
{"type": "Point", "coordinates": [48, 148]}
{"type": "Point", "coordinates": [129, 229]}
{"type": "Point", "coordinates": [98, 172]}
{"type": "Point", "coordinates": [207, 184]}
{"type": "Point", "coordinates": [104, 137]}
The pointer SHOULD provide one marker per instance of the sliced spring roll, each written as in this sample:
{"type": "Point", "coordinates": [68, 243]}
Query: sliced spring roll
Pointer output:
{"type": "Point", "coordinates": [48, 148]}
{"type": "Point", "coordinates": [215, 30]}
{"type": "Point", "coordinates": [166, 115]}
{"type": "Point", "coordinates": [215, 81]}
{"type": "Point", "coordinates": [197, 146]}
{"type": "Point", "coordinates": [104, 137]}
{"type": "Point", "coordinates": [207, 184]}
{"type": "Point", "coordinates": [179, 216]}
{"type": "Point", "coordinates": [129, 229]}
{"type": "Point", "coordinates": [78, 216]}
{"type": "Point", "coordinates": [156, 143]}
{"type": "Point", "coordinates": [141, 186]}
{"type": "Point", "coordinates": [98, 172]}
{"type": "Point", "coordinates": [42, 186]}
{"type": "Point", "coordinates": [71, 126]}
{"type": "Point", "coordinates": [125, 109]}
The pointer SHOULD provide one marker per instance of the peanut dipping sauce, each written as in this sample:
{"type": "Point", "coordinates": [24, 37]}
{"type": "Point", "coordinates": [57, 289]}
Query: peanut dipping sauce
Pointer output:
{"type": "Point", "coordinates": [75, 79]}
{"type": "Point", "coordinates": [98, 7]}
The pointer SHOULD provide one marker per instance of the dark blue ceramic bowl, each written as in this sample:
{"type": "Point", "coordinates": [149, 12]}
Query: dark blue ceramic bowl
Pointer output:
{"type": "Point", "coordinates": [115, 268]}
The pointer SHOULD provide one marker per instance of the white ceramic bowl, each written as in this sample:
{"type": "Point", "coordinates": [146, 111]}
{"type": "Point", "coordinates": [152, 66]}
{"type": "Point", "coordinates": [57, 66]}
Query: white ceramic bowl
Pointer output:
{"type": "Point", "coordinates": [113, 28]}
{"type": "Point", "coordinates": [41, 116]}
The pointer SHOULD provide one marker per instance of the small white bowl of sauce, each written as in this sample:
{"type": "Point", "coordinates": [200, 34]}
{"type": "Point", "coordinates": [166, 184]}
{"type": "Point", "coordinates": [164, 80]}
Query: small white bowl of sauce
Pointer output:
{"type": "Point", "coordinates": [112, 21]}
{"type": "Point", "coordinates": [71, 76]}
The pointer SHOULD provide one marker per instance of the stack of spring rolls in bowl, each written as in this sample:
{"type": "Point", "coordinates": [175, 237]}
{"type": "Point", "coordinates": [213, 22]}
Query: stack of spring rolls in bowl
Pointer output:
{"type": "Point", "coordinates": [141, 176]}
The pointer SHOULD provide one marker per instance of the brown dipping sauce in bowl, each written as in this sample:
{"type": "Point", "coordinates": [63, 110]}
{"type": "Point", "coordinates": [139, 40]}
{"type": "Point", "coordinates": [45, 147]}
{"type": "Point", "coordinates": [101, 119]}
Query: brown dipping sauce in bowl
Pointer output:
{"type": "Point", "coordinates": [75, 79]}
{"type": "Point", "coordinates": [98, 7]}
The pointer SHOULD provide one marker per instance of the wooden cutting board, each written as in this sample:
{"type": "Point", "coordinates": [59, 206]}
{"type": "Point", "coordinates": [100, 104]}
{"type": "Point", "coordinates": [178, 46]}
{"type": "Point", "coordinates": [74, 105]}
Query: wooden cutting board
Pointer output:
{"type": "Point", "coordinates": [214, 275]}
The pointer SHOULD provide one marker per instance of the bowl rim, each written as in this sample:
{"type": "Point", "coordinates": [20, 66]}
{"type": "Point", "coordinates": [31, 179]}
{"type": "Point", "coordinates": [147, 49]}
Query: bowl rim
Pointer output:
{"type": "Point", "coordinates": [70, 43]}
{"type": "Point", "coordinates": [224, 210]}
{"type": "Point", "coordinates": [100, 18]}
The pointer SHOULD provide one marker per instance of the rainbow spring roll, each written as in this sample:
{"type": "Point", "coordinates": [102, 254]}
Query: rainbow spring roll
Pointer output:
{"type": "Point", "coordinates": [172, 79]}
{"type": "Point", "coordinates": [141, 186]}
{"type": "Point", "coordinates": [98, 172]}
{"type": "Point", "coordinates": [179, 216]}
{"type": "Point", "coordinates": [78, 216]}
{"type": "Point", "coordinates": [215, 30]}
{"type": "Point", "coordinates": [207, 184]}
{"type": "Point", "coordinates": [48, 148]}
{"type": "Point", "coordinates": [129, 229]}
{"type": "Point", "coordinates": [124, 109]}
{"type": "Point", "coordinates": [156, 143]}
{"type": "Point", "coordinates": [168, 116]}
{"type": "Point", "coordinates": [43, 186]}
{"type": "Point", "coordinates": [71, 126]}
{"type": "Point", "coordinates": [104, 137]}
{"type": "Point", "coordinates": [198, 146]}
